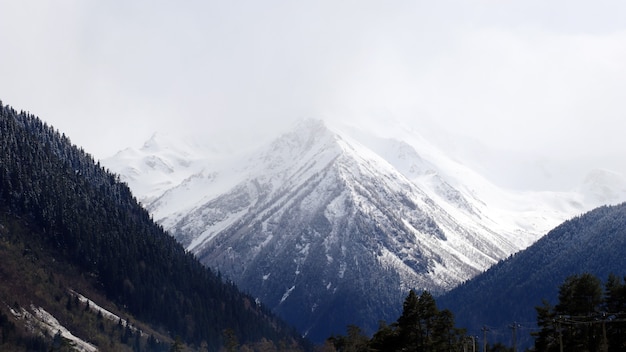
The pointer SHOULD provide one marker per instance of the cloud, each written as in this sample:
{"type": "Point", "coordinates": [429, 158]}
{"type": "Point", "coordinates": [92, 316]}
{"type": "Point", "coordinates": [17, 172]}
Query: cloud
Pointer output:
{"type": "Point", "coordinates": [543, 77]}
{"type": "Point", "coordinates": [551, 93]}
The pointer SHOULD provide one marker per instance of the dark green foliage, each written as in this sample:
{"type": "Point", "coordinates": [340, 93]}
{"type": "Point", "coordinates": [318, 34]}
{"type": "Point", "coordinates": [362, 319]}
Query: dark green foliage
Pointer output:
{"type": "Point", "coordinates": [177, 346]}
{"type": "Point", "coordinates": [23, 282]}
{"type": "Point", "coordinates": [230, 340]}
{"type": "Point", "coordinates": [421, 327]}
{"type": "Point", "coordinates": [547, 336]}
{"type": "Point", "coordinates": [594, 242]}
{"type": "Point", "coordinates": [354, 341]}
{"type": "Point", "coordinates": [615, 301]}
{"type": "Point", "coordinates": [580, 295]}
{"type": "Point", "coordinates": [7, 328]}
{"type": "Point", "coordinates": [586, 317]}
{"type": "Point", "coordinates": [91, 220]}
{"type": "Point", "coordinates": [499, 347]}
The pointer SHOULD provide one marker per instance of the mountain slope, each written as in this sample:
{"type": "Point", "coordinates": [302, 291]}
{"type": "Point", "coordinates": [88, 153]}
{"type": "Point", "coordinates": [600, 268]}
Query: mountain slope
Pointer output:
{"type": "Point", "coordinates": [333, 239]}
{"type": "Point", "coordinates": [72, 213]}
{"type": "Point", "coordinates": [591, 243]}
{"type": "Point", "coordinates": [331, 226]}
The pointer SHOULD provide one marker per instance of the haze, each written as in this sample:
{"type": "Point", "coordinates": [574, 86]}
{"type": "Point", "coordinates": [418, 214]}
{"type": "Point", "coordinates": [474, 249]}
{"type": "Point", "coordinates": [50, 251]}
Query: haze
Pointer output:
{"type": "Point", "coordinates": [532, 82]}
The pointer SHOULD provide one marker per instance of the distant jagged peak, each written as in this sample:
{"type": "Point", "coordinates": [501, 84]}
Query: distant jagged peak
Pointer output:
{"type": "Point", "coordinates": [161, 143]}
{"type": "Point", "coordinates": [157, 142]}
{"type": "Point", "coordinates": [307, 131]}
{"type": "Point", "coordinates": [310, 124]}
{"type": "Point", "coordinates": [168, 144]}
{"type": "Point", "coordinates": [305, 136]}
{"type": "Point", "coordinates": [603, 187]}
{"type": "Point", "coordinates": [604, 176]}
{"type": "Point", "coordinates": [160, 152]}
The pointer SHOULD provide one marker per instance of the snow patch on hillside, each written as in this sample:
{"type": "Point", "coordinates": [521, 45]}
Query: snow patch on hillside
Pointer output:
{"type": "Point", "coordinates": [105, 313]}
{"type": "Point", "coordinates": [42, 321]}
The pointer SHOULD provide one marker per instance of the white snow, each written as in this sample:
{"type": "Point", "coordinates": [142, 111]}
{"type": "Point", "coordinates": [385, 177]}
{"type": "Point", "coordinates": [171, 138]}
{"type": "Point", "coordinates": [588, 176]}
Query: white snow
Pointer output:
{"type": "Point", "coordinates": [287, 293]}
{"type": "Point", "coordinates": [210, 230]}
{"type": "Point", "coordinates": [603, 187]}
{"type": "Point", "coordinates": [105, 313]}
{"type": "Point", "coordinates": [481, 222]}
{"type": "Point", "coordinates": [41, 320]}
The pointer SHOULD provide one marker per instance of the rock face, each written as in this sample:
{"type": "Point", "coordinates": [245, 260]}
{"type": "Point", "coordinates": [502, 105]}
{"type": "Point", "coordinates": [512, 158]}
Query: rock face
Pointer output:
{"type": "Point", "coordinates": [331, 228]}
{"type": "Point", "coordinates": [328, 236]}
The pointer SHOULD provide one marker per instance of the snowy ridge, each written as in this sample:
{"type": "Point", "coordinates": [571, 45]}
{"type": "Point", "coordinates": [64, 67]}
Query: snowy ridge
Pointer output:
{"type": "Point", "coordinates": [105, 313]}
{"type": "Point", "coordinates": [326, 212]}
{"type": "Point", "coordinates": [603, 187]}
{"type": "Point", "coordinates": [42, 321]}
{"type": "Point", "coordinates": [161, 163]}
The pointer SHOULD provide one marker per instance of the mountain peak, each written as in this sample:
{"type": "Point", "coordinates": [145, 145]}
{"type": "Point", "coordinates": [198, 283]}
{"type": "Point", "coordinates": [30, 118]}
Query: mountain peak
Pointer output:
{"type": "Point", "coordinates": [318, 200]}
{"type": "Point", "coordinates": [323, 214]}
{"type": "Point", "coordinates": [154, 143]}
{"type": "Point", "coordinates": [602, 186]}
{"type": "Point", "coordinates": [310, 124]}
{"type": "Point", "coordinates": [305, 134]}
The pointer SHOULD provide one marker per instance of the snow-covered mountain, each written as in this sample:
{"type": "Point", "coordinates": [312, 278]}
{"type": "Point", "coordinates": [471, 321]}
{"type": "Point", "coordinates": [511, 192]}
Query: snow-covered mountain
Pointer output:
{"type": "Point", "coordinates": [331, 225]}
{"type": "Point", "coordinates": [157, 166]}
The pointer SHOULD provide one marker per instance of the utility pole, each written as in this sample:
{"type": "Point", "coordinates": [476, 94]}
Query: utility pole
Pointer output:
{"type": "Point", "coordinates": [558, 327]}
{"type": "Point", "coordinates": [484, 330]}
{"type": "Point", "coordinates": [514, 327]}
{"type": "Point", "coordinates": [605, 344]}
{"type": "Point", "coordinates": [469, 338]}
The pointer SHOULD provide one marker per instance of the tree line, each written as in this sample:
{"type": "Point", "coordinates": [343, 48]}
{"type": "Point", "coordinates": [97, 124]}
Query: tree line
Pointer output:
{"type": "Point", "coordinates": [420, 327]}
{"type": "Point", "coordinates": [91, 219]}
{"type": "Point", "coordinates": [589, 316]}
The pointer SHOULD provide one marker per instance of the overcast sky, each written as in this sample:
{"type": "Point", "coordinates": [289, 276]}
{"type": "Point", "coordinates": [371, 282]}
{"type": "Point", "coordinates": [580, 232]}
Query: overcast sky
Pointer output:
{"type": "Point", "coordinates": [545, 77]}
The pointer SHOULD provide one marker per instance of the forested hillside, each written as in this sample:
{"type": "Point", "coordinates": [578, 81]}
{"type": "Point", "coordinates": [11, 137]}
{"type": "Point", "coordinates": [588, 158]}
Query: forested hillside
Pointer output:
{"type": "Point", "coordinates": [70, 210]}
{"type": "Point", "coordinates": [506, 294]}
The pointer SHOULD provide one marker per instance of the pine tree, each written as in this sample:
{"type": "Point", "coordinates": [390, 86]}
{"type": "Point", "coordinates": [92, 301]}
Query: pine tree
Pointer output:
{"type": "Point", "coordinates": [90, 220]}
{"type": "Point", "coordinates": [230, 340]}
{"type": "Point", "coordinates": [585, 318]}
{"type": "Point", "coordinates": [615, 307]}
{"type": "Point", "coordinates": [355, 341]}
{"type": "Point", "coordinates": [547, 338]}
{"type": "Point", "coordinates": [416, 323]}
{"type": "Point", "coordinates": [421, 327]}
{"type": "Point", "coordinates": [177, 346]}
{"type": "Point", "coordinates": [580, 298]}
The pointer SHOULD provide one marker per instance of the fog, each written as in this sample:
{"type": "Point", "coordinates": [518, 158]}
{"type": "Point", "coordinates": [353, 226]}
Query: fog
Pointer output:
{"type": "Point", "coordinates": [529, 82]}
